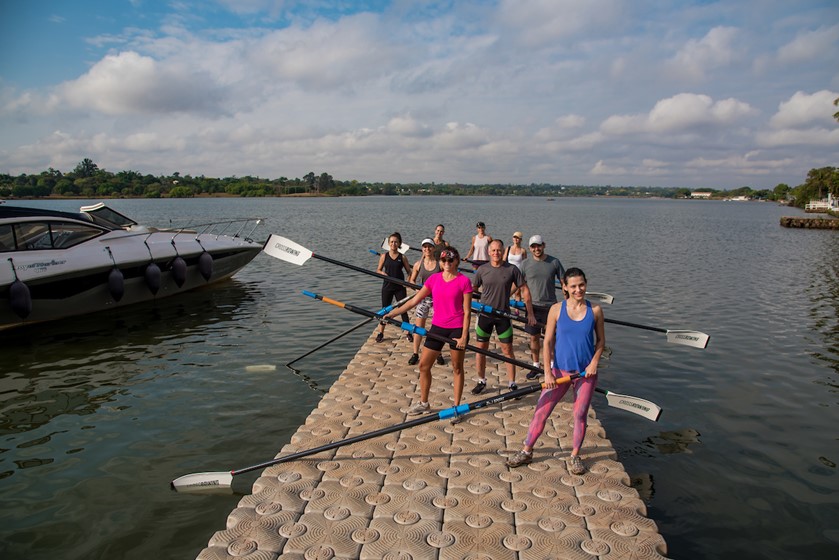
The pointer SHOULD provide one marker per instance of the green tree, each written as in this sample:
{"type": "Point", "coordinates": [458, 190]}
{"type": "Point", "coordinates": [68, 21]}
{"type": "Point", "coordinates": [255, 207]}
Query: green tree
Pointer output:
{"type": "Point", "coordinates": [86, 168]}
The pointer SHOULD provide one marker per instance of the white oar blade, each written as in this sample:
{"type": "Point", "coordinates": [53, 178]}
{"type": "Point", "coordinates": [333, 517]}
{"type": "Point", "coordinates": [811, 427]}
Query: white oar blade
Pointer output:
{"type": "Point", "coordinates": [600, 298]}
{"type": "Point", "coordinates": [640, 407]}
{"type": "Point", "coordinates": [286, 250]}
{"type": "Point", "coordinates": [688, 338]}
{"type": "Point", "coordinates": [402, 248]}
{"type": "Point", "coordinates": [203, 482]}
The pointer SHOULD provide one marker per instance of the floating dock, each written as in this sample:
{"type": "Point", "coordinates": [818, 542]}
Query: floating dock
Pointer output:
{"type": "Point", "coordinates": [438, 490]}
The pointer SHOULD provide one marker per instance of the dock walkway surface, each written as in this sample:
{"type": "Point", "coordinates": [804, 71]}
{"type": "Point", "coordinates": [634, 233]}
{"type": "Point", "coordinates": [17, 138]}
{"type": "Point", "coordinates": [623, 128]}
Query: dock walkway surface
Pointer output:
{"type": "Point", "coordinates": [437, 490]}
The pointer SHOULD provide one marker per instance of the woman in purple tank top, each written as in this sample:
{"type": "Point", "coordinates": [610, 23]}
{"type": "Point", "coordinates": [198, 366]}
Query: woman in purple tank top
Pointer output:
{"type": "Point", "coordinates": [574, 342]}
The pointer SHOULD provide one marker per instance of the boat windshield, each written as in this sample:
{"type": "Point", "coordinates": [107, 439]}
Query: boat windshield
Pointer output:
{"type": "Point", "coordinates": [105, 216]}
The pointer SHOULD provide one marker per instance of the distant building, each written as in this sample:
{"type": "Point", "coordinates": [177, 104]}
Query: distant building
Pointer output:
{"type": "Point", "coordinates": [700, 194]}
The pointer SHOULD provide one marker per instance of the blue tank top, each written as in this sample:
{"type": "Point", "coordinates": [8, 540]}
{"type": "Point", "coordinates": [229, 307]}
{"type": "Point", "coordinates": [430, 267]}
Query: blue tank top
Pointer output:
{"type": "Point", "coordinates": [574, 347]}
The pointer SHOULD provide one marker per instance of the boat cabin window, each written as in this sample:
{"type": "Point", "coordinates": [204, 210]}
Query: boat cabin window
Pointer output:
{"type": "Point", "coordinates": [45, 235]}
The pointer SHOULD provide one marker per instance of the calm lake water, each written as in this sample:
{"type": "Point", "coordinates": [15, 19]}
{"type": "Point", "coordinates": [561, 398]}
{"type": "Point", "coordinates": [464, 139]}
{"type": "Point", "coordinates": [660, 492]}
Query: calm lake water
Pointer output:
{"type": "Point", "coordinates": [99, 414]}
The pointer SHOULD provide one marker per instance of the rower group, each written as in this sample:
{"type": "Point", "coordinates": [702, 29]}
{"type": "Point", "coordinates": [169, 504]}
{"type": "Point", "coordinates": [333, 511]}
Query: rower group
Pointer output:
{"type": "Point", "coordinates": [566, 337]}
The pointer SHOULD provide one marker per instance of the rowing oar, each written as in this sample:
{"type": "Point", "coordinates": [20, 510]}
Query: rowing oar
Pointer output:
{"type": "Point", "coordinates": [287, 250]}
{"type": "Point", "coordinates": [402, 248]}
{"type": "Point", "coordinates": [695, 339]}
{"type": "Point", "coordinates": [636, 405]}
{"type": "Point", "coordinates": [345, 333]}
{"type": "Point", "coordinates": [198, 482]}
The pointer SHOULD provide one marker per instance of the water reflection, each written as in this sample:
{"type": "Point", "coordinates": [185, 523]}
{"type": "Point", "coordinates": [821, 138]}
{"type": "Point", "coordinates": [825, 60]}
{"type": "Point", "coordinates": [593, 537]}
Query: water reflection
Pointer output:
{"type": "Point", "coordinates": [823, 290]}
{"type": "Point", "coordinates": [89, 365]}
{"type": "Point", "coordinates": [678, 441]}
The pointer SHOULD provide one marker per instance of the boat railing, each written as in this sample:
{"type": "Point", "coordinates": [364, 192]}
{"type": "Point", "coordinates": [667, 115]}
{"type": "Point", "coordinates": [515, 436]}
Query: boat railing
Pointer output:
{"type": "Point", "coordinates": [213, 229]}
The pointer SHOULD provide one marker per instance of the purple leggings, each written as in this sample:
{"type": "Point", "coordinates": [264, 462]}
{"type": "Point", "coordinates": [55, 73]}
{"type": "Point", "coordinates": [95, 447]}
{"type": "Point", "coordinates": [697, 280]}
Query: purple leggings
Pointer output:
{"type": "Point", "coordinates": [549, 398]}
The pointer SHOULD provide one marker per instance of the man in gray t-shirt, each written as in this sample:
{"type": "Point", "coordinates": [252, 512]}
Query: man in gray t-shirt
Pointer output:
{"type": "Point", "coordinates": [496, 280]}
{"type": "Point", "coordinates": [541, 273]}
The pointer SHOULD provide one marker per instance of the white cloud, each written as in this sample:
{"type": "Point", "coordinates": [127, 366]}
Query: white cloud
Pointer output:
{"type": "Point", "coordinates": [129, 83]}
{"type": "Point", "coordinates": [714, 51]}
{"type": "Point", "coordinates": [681, 113]}
{"type": "Point", "coordinates": [804, 110]}
{"type": "Point", "coordinates": [810, 45]}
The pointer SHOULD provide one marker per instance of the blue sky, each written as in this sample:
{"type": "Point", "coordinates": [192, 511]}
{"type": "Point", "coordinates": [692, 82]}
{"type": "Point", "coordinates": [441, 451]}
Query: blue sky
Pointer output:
{"type": "Point", "coordinates": [620, 92]}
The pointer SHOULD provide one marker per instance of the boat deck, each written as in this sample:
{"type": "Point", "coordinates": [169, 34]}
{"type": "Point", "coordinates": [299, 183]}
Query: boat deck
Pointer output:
{"type": "Point", "coordinates": [437, 490]}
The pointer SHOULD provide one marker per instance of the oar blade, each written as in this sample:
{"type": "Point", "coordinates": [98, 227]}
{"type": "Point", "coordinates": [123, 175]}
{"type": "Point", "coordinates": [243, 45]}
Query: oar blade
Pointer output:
{"type": "Point", "coordinates": [402, 248]}
{"type": "Point", "coordinates": [641, 407]}
{"type": "Point", "coordinates": [695, 339]}
{"type": "Point", "coordinates": [204, 482]}
{"type": "Point", "coordinates": [286, 250]}
{"type": "Point", "coordinates": [600, 298]}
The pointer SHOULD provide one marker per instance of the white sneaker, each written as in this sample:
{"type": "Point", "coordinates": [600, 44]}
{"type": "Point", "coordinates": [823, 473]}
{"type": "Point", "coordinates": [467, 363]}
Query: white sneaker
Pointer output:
{"type": "Point", "coordinates": [418, 408]}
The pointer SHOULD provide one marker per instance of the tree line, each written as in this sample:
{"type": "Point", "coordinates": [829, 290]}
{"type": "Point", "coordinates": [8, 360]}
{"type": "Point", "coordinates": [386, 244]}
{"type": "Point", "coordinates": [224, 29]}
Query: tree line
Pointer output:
{"type": "Point", "coordinates": [88, 180]}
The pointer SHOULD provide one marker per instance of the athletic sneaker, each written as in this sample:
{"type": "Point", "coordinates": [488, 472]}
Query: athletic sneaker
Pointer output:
{"type": "Point", "coordinates": [533, 374]}
{"type": "Point", "coordinates": [479, 387]}
{"type": "Point", "coordinates": [512, 386]}
{"type": "Point", "coordinates": [575, 465]}
{"type": "Point", "coordinates": [413, 359]}
{"type": "Point", "coordinates": [457, 419]}
{"type": "Point", "coordinates": [409, 337]}
{"type": "Point", "coordinates": [522, 457]}
{"type": "Point", "coordinates": [380, 337]}
{"type": "Point", "coordinates": [440, 360]}
{"type": "Point", "coordinates": [419, 408]}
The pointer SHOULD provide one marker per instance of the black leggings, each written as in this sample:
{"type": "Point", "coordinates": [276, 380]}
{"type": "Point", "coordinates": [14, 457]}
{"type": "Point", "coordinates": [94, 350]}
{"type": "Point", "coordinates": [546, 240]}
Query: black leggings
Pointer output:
{"type": "Point", "coordinates": [394, 292]}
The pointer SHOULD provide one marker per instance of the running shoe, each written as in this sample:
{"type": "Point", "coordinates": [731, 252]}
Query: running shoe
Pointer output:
{"type": "Point", "coordinates": [522, 457]}
{"type": "Point", "coordinates": [412, 361]}
{"type": "Point", "coordinates": [409, 337]}
{"type": "Point", "coordinates": [575, 465]}
{"type": "Point", "coordinates": [440, 360]}
{"type": "Point", "coordinates": [380, 337]}
{"type": "Point", "coordinates": [531, 375]}
{"type": "Point", "coordinates": [419, 408]}
{"type": "Point", "coordinates": [479, 387]}
{"type": "Point", "coordinates": [457, 419]}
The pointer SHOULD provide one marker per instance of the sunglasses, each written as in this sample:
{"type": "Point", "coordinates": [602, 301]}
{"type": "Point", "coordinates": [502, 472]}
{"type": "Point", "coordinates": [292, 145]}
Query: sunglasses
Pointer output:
{"type": "Point", "coordinates": [447, 260]}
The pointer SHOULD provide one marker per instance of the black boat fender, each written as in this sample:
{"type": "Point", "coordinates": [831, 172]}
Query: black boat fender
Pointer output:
{"type": "Point", "coordinates": [20, 299]}
{"type": "Point", "coordinates": [205, 265]}
{"type": "Point", "coordinates": [153, 277]}
{"type": "Point", "coordinates": [178, 268]}
{"type": "Point", "coordinates": [116, 283]}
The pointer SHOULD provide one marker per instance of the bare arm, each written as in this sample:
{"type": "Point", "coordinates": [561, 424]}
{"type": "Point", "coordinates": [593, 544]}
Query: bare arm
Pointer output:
{"type": "Point", "coordinates": [415, 271]}
{"type": "Point", "coordinates": [467, 319]}
{"type": "Point", "coordinates": [548, 345]}
{"type": "Point", "coordinates": [599, 340]}
{"type": "Point", "coordinates": [381, 268]}
{"type": "Point", "coordinates": [471, 248]}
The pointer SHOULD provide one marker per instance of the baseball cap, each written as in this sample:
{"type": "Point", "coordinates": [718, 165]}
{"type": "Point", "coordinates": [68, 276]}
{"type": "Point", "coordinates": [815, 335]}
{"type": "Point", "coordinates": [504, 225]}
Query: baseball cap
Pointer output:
{"type": "Point", "coordinates": [480, 224]}
{"type": "Point", "coordinates": [517, 234]}
{"type": "Point", "coordinates": [536, 240]}
{"type": "Point", "coordinates": [427, 241]}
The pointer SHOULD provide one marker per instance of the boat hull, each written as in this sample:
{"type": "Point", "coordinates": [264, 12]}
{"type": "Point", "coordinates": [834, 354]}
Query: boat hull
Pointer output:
{"type": "Point", "coordinates": [76, 281]}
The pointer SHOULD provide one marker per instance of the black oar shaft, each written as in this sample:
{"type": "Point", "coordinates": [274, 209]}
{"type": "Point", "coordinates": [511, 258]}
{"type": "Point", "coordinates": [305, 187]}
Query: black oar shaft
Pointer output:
{"type": "Point", "coordinates": [637, 326]}
{"type": "Point", "coordinates": [330, 341]}
{"type": "Point", "coordinates": [447, 413]}
{"type": "Point", "coordinates": [371, 272]}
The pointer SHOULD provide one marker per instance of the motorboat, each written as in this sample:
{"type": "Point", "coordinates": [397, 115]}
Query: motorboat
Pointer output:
{"type": "Point", "coordinates": [57, 264]}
